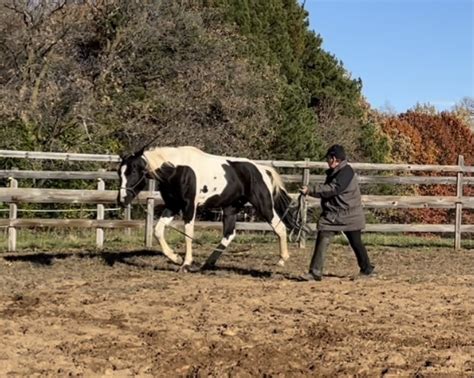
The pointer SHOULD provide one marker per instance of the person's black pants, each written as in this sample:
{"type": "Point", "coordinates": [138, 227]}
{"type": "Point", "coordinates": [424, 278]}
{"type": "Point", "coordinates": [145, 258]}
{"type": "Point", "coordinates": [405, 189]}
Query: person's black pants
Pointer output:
{"type": "Point", "coordinates": [355, 240]}
{"type": "Point", "coordinates": [323, 240]}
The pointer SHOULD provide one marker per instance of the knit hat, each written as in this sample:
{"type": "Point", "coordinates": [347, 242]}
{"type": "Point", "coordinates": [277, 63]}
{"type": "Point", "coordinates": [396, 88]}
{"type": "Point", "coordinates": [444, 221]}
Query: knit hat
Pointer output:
{"type": "Point", "coordinates": [336, 151]}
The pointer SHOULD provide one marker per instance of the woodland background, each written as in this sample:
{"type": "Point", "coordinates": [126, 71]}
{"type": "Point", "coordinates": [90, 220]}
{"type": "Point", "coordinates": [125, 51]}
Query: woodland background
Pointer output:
{"type": "Point", "coordinates": [234, 77]}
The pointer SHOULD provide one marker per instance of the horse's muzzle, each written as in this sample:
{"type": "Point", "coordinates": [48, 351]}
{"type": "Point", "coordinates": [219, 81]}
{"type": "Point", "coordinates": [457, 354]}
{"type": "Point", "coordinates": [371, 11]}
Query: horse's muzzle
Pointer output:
{"type": "Point", "coordinates": [121, 201]}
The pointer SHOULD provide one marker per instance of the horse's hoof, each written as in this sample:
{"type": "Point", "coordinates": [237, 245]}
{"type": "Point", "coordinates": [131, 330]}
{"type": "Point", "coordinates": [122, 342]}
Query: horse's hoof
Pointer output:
{"type": "Point", "coordinates": [281, 262]}
{"type": "Point", "coordinates": [178, 260]}
{"type": "Point", "coordinates": [209, 267]}
{"type": "Point", "coordinates": [183, 269]}
{"type": "Point", "coordinates": [189, 268]}
{"type": "Point", "coordinates": [193, 268]}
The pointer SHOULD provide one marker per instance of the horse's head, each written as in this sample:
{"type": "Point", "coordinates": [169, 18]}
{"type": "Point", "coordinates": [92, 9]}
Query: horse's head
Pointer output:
{"type": "Point", "coordinates": [132, 173]}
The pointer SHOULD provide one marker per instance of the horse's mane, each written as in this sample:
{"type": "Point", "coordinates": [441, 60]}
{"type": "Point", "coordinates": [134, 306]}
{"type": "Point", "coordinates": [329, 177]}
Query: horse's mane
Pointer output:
{"type": "Point", "coordinates": [277, 182]}
{"type": "Point", "coordinates": [157, 156]}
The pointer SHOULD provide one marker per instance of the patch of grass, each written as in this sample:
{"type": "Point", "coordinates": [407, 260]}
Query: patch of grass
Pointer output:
{"type": "Point", "coordinates": [406, 241]}
{"type": "Point", "coordinates": [74, 239]}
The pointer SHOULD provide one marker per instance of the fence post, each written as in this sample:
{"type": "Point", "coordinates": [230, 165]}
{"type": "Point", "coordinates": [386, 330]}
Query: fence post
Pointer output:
{"type": "Point", "coordinates": [128, 216]}
{"type": "Point", "coordinates": [304, 210]}
{"type": "Point", "coordinates": [99, 236]}
{"type": "Point", "coordinates": [459, 193]}
{"type": "Point", "coordinates": [13, 216]}
{"type": "Point", "coordinates": [150, 207]}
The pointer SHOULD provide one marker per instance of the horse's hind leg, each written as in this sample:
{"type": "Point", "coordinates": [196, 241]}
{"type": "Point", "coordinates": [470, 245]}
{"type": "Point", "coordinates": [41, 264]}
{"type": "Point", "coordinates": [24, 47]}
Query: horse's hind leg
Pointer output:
{"type": "Point", "coordinates": [165, 219]}
{"type": "Point", "coordinates": [264, 206]}
{"type": "Point", "coordinates": [280, 229]}
{"type": "Point", "coordinates": [229, 219]}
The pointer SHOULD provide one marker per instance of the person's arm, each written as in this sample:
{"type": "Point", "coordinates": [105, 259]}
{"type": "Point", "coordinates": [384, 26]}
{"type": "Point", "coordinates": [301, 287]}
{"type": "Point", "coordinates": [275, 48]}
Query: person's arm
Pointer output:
{"type": "Point", "coordinates": [337, 185]}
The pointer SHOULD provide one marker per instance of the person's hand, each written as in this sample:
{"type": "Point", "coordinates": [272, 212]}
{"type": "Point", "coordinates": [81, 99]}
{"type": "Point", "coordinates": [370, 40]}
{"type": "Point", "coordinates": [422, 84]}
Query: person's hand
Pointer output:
{"type": "Point", "coordinates": [304, 190]}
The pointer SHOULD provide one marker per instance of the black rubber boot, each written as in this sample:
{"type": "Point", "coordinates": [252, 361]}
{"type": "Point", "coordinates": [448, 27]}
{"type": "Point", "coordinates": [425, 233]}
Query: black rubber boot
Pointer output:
{"type": "Point", "coordinates": [309, 277]}
{"type": "Point", "coordinates": [317, 261]}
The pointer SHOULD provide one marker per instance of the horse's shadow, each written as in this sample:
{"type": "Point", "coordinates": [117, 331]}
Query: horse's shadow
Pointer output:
{"type": "Point", "coordinates": [222, 270]}
{"type": "Point", "coordinates": [127, 258]}
{"type": "Point", "coordinates": [109, 258]}
{"type": "Point", "coordinates": [37, 258]}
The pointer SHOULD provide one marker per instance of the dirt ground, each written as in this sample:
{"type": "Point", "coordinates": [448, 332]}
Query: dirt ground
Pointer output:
{"type": "Point", "coordinates": [129, 313]}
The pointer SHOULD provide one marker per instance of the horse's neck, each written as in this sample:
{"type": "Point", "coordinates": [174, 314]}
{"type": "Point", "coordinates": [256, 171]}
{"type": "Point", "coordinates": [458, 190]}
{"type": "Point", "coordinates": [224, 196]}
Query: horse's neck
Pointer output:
{"type": "Point", "coordinates": [155, 158]}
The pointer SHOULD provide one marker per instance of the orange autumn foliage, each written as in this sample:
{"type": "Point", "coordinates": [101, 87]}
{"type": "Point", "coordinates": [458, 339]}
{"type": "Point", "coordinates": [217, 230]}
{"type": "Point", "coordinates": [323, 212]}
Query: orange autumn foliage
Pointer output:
{"type": "Point", "coordinates": [420, 138]}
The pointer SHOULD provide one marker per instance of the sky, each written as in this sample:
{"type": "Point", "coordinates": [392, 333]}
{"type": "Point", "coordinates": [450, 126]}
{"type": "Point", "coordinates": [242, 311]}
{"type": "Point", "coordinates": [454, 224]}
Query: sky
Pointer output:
{"type": "Point", "coordinates": [405, 51]}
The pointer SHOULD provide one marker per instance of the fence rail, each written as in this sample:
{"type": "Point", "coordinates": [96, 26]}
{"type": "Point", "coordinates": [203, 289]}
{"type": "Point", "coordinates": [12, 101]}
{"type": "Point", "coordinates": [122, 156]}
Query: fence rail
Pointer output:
{"type": "Point", "coordinates": [303, 164]}
{"type": "Point", "coordinates": [247, 226]}
{"type": "Point", "coordinates": [112, 175]}
{"type": "Point", "coordinates": [30, 195]}
{"type": "Point", "coordinates": [458, 175]}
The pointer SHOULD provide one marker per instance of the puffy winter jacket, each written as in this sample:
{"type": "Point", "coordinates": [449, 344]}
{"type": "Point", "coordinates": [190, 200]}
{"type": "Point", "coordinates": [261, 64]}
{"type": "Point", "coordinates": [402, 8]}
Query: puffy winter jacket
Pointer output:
{"type": "Point", "coordinates": [340, 200]}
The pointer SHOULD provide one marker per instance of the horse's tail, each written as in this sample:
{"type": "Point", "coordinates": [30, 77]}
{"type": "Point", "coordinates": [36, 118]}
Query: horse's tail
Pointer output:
{"type": "Point", "coordinates": [282, 200]}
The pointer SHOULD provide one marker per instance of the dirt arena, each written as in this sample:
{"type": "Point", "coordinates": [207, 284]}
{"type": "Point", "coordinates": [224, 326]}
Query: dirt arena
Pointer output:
{"type": "Point", "coordinates": [128, 313]}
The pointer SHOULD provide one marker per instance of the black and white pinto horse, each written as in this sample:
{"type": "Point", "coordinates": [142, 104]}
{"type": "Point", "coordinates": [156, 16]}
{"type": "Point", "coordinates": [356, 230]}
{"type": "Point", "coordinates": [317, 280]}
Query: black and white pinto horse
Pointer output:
{"type": "Point", "coordinates": [188, 178]}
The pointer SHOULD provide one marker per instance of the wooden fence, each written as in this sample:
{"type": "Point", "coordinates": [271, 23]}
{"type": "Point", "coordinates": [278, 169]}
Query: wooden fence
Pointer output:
{"type": "Point", "coordinates": [15, 196]}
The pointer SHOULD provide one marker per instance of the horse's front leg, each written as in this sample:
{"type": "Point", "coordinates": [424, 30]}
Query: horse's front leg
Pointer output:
{"type": "Point", "coordinates": [280, 229]}
{"type": "Point", "coordinates": [189, 216]}
{"type": "Point", "coordinates": [165, 219]}
{"type": "Point", "coordinates": [189, 236]}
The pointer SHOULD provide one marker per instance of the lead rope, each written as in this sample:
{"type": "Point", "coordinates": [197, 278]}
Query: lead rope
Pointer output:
{"type": "Point", "coordinates": [174, 228]}
{"type": "Point", "coordinates": [145, 210]}
{"type": "Point", "coordinates": [298, 220]}
{"type": "Point", "coordinates": [135, 195]}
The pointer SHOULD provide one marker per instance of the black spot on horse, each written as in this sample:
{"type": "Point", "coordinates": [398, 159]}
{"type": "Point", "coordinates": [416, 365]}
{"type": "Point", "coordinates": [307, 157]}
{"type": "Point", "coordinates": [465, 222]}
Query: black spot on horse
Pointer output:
{"type": "Point", "coordinates": [204, 189]}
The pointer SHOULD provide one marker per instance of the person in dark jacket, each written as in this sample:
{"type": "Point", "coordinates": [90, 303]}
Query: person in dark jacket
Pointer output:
{"type": "Point", "coordinates": [341, 211]}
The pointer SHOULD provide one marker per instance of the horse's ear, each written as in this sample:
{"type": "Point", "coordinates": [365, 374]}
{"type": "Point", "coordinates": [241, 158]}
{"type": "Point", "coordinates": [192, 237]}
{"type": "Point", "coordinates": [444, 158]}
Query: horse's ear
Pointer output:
{"type": "Point", "coordinates": [124, 155]}
{"type": "Point", "coordinates": [140, 151]}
